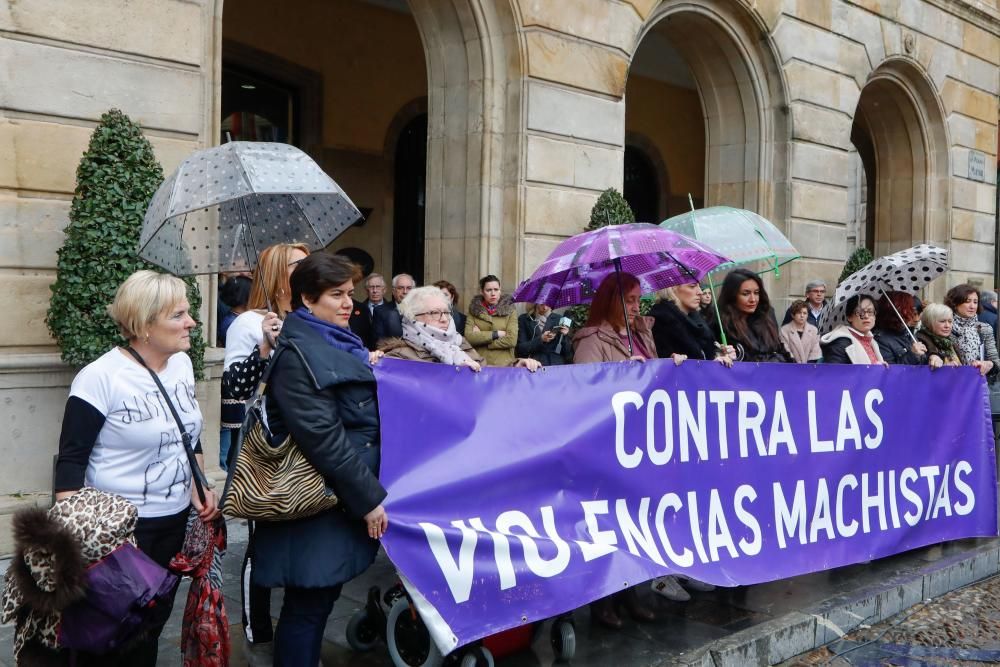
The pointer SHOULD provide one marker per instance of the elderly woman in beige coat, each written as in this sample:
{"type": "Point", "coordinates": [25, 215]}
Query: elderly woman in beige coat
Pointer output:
{"type": "Point", "coordinates": [429, 334]}
{"type": "Point", "coordinates": [801, 339]}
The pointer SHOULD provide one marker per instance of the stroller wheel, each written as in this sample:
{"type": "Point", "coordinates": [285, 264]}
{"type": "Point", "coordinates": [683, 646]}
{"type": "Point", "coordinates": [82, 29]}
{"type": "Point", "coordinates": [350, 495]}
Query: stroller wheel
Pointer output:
{"type": "Point", "coordinates": [409, 643]}
{"type": "Point", "coordinates": [479, 656]}
{"type": "Point", "coordinates": [563, 639]}
{"type": "Point", "coordinates": [362, 635]}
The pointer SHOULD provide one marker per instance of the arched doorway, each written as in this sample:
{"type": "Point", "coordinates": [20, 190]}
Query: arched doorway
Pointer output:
{"type": "Point", "coordinates": [640, 186]}
{"type": "Point", "coordinates": [719, 86]}
{"type": "Point", "coordinates": [409, 197]}
{"type": "Point", "coordinates": [900, 137]}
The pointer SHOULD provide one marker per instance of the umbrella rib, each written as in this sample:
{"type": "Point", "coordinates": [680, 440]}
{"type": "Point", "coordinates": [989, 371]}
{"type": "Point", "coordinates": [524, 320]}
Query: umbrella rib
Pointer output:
{"type": "Point", "coordinates": [308, 221]}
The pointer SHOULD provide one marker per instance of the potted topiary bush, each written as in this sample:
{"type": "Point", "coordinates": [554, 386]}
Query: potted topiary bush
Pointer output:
{"type": "Point", "coordinates": [115, 180]}
{"type": "Point", "coordinates": [610, 209]}
{"type": "Point", "coordinates": [858, 260]}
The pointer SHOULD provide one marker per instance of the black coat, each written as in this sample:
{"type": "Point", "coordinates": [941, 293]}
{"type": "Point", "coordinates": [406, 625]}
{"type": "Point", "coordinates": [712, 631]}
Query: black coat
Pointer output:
{"type": "Point", "coordinates": [361, 323]}
{"type": "Point", "coordinates": [325, 398]}
{"type": "Point", "coordinates": [387, 322]}
{"type": "Point", "coordinates": [459, 321]}
{"type": "Point", "coordinates": [896, 348]}
{"type": "Point", "coordinates": [753, 348]}
{"type": "Point", "coordinates": [530, 344]}
{"type": "Point", "coordinates": [677, 333]}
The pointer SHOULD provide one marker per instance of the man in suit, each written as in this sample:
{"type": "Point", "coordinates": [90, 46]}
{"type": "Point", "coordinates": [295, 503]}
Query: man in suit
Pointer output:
{"type": "Point", "coordinates": [361, 318]}
{"type": "Point", "coordinates": [386, 321]}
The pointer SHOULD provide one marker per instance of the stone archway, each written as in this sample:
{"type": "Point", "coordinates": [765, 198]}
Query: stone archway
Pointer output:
{"type": "Point", "coordinates": [474, 59]}
{"type": "Point", "coordinates": [740, 85]}
{"type": "Point", "coordinates": [901, 138]}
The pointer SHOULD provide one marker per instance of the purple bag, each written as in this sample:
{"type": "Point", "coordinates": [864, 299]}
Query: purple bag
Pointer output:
{"type": "Point", "coordinates": [126, 591]}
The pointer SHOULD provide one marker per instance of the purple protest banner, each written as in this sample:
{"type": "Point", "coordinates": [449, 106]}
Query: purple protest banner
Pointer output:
{"type": "Point", "coordinates": [516, 496]}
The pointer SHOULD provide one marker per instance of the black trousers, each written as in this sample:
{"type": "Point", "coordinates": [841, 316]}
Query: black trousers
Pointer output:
{"type": "Point", "coordinates": [160, 538]}
{"type": "Point", "coordinates": [255, 600]}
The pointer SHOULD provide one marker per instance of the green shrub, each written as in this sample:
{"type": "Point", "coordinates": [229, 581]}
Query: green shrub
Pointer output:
{"type": "Point", "coordinates": [115, 180]}
{"type": "Point", "coordinates": [858, 260]}
{"type": "Point", "coordinates": [610, 209]}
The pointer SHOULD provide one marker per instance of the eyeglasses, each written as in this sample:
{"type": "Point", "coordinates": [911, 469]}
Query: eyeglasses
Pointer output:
{"type": "Point", "coordinates": [435, 314]}
{"type": "Point", "coordinates": [865, 312]}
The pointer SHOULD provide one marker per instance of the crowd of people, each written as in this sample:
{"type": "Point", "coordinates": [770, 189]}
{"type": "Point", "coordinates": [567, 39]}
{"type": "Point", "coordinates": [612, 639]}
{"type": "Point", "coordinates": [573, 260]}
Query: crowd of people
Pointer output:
{"type": "Point", "coordinates": [297, 314]}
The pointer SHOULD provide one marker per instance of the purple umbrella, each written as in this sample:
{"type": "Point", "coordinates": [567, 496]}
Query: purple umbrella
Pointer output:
{"type": "Point", "coordinates": [657, 257]}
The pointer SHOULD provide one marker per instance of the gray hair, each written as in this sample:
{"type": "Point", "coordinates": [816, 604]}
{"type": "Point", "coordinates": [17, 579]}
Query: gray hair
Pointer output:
{"type": "Point", "coordinates": [813, 284]}
{"type": "Point", "coordinates": [933, 313]}
{"type": "Point", "coordinates": [416, 301]}
{"type": "Point", "coordinates": [372, 276]}
{"type": "Point", "coordinates": [988, 295]}
{"type": "Point", "coordinates": [395, 279]}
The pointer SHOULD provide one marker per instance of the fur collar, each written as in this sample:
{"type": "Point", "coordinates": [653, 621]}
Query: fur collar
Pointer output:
{"type": "Point", "coordinates": [504, 307]}
{"type": "Point", "coordinates": [43, 538]}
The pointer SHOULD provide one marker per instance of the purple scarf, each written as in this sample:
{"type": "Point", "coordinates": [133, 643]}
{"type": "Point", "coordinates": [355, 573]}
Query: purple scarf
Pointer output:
{"type": "Point", "coordinates": [339, 337]}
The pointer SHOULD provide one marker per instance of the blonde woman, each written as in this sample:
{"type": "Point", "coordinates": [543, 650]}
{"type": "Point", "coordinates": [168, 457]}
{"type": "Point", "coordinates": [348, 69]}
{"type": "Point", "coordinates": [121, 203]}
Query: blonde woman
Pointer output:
{"type": "Point", "coordinates": [118, 436]}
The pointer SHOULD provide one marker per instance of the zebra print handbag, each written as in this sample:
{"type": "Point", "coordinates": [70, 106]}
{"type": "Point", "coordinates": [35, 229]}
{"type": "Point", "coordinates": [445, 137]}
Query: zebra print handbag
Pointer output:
{"type": "Point", "coordinates": [267, 483]}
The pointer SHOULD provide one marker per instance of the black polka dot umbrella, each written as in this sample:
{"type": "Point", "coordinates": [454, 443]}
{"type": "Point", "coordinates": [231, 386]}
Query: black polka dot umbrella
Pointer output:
{"type": "Point", "coordinates": [907, 271]}
{"type": "Point", "coordinates": [223, 205]}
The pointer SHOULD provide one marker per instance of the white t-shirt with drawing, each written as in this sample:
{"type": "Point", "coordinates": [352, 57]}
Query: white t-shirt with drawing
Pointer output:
{"type": "Point", "coordinates": [139, 453]}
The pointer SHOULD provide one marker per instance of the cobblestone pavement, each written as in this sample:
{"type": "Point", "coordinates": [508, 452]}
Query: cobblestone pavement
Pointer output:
{"type": "Point", "coordinates": [958, 628]}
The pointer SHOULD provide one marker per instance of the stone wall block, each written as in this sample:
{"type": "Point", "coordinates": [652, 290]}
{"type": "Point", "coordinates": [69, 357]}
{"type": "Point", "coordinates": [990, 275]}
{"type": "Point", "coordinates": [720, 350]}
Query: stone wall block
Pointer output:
{"type": "Point", "coordinates": [821, 87]}
{"type": "Point", "coordinates": [643, 7]}
{"type": "Point", "coordinates": [817, 163]}
{"type": "Point", "coordinates": [826, 49]}
{"type": "Point", "coordinates": [969, 101]}
{"type": "Point", "coordinates": [46, 155]}
{"type": "Point", "coordinates": [599, 21]}
{"type": "Point", "coordinates": [63, 82]}
{"type": "Point", "coordinates": [166, 29]}
{"type": "Point", "coordinates": [928, 19]}
{"type": "Point", "coordinates": [892, 39]}
{"type": "Point", "coordinates": [964, 131]}
{"type": "Point", "coordinates": [553, 57]}
{"type": "Point", "coordinates": [819, 240]}
{"type": "Point", "coordinates": [860, 26]}
{"type": "Point", "coordinates": [973, 226]}
{"type": "Point", "coordinates": [556, 212]}
{"type": "Point", "coordinates": [28, 296]}
{"type": "Point", "coordinates": [820, 202]}
{"type": "Point", "coordinates": [822, 126]}
{"type": "Point", "coordinates": [574, 114]}
{"type": "Point", "coordinates": [972, 195]}
{"type": "Point", "coordinates": [971, 257]}
{"type": "Point", "coordinates": [980, 43]}
{"type": "Point", "coordinates": [31, 231]}
{"type": "Point", "coordinates": [534, 251]}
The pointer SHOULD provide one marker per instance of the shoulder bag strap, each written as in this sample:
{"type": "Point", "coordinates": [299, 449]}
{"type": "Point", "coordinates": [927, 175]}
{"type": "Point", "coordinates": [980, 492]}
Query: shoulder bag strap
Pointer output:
{"type": "Point", "coordinates": [199, 477]}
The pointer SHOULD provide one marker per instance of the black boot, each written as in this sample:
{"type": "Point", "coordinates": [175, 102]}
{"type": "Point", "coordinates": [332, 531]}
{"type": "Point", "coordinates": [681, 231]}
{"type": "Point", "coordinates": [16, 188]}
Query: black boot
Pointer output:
{"type": "Point", "coordinates": [629, 599]}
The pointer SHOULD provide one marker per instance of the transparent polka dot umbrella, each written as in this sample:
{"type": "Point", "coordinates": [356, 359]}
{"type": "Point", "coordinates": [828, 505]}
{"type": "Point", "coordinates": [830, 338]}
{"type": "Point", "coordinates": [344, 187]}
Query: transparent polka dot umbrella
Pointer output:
{"type": "Point", "coordinates": [223, 205]}
{"type": "Point", "coordinates": [907, 271]}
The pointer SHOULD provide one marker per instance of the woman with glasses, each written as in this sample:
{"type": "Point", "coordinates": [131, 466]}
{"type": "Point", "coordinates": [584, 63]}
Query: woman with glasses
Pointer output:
{"type": "Point", "coordinates": [854, 343]}
{"type": "Point", "coordinates": [429, 334]}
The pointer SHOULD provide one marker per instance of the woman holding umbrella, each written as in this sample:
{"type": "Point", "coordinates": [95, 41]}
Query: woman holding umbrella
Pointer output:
{"type": "Point", "coordinates": [747, 319]}
{"type": "Point", "coordinates": [896, 312]}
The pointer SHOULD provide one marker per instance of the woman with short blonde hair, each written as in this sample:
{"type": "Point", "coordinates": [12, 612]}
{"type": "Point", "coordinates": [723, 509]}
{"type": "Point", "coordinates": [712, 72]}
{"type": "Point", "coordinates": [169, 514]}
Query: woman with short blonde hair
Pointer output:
{"type": "Point", "coordinates": [119, 436]}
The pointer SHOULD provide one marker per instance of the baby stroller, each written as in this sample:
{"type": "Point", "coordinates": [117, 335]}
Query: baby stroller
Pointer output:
{"type": "Point", "coordinates": [393, 619]}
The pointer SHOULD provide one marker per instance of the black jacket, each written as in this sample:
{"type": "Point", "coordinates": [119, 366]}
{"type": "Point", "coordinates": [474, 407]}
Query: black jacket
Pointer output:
{"type": "Point", "coordinates": [753, 347]}
{"type": "Point", "coordinates": [896, 348]}
{"type": "Point", "coordinates": [361, 323]}
{"type": "Point", "coordinates": [529, 341]}
{"type": "Point", "coordinates": [325, 398]}
{"type": "Point", "coordinates": [677, 333]}
{"type": "Point", "coordinates": [386, 322]}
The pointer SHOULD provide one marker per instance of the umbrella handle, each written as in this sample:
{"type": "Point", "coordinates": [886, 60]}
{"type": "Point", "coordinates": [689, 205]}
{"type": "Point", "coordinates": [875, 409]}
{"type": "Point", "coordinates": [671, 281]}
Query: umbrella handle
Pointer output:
{"type": "Point", "coordinates": [621, 293]}
{"type": "Point", "coordinates": [718, 315]}
{"type": "Point", "coordinates": [905, 325]}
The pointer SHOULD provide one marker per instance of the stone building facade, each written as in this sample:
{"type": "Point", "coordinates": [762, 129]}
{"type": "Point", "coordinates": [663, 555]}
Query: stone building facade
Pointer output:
{"type": "Point", "coordinates": [478, 133]}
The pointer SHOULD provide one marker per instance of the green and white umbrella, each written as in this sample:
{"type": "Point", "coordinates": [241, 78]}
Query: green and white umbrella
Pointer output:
{"type": "Point", "coordinates": [743, 236]}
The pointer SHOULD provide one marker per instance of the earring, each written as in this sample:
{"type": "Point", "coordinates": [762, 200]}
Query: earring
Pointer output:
{"type": "Point", "coordinates": [309, 310]}
{"type": "Point", "coordinates": [146, 339]}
